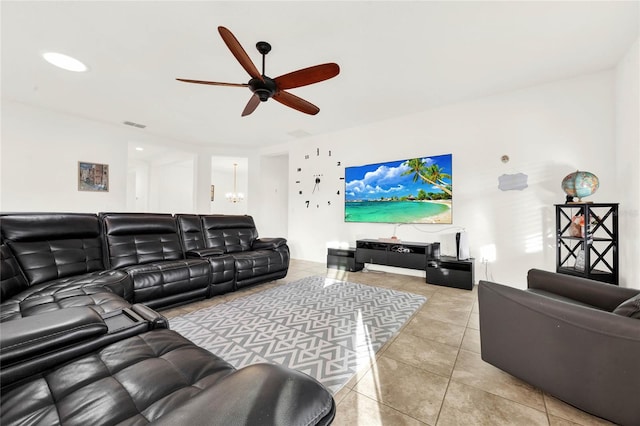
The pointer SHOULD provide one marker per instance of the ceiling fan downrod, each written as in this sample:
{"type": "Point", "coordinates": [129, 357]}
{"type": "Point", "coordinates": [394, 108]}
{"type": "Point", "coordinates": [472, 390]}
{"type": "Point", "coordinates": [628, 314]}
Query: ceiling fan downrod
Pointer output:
{"type": "Point", "coordinates": [264, 48]}
{"type": "Point", "coordinates": [263, 88]}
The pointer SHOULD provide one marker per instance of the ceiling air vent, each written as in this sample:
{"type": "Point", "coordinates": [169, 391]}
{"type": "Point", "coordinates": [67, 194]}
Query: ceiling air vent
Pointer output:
{"type": "Point", "coordinates": [131, 123]}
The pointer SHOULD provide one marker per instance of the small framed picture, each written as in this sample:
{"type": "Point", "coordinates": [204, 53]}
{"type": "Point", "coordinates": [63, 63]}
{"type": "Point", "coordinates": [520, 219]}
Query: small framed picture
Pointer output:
{"type": "Point", "coordinates": [93, 177]}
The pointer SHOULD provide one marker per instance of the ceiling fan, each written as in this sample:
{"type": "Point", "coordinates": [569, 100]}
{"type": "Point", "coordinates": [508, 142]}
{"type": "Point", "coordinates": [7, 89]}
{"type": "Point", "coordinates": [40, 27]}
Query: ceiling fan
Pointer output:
{"type": "Point", "coordinates": [264, 87]}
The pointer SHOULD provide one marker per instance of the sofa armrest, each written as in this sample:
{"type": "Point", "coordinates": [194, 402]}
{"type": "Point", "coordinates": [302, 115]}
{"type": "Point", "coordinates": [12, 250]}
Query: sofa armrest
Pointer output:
{"type": "Point", "coordinates": [583, 356]}
{"type": "Point", "coordinates": [594, 293]}
{"type": "Point", "coordinates": [28, 337]}
{"type": "Point", "coordinates": [268, 243]}
{"type": "Point", "coordinates": [264, 394]}
{"type": "Point", "coordinates": [155, 319]}
{"type": "Point", "coordinates": [205, 252]}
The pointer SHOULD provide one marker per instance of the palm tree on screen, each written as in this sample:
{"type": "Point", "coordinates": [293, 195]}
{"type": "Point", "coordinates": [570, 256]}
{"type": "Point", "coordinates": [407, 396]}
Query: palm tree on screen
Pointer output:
{"type": "Point", "coordinates": [436, 174]}
{"type": "Point", "coordinates": [432, 174]}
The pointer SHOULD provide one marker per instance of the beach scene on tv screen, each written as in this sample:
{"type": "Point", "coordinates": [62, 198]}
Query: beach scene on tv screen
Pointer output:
{"type": "Point", "coordinates": [415, 190]}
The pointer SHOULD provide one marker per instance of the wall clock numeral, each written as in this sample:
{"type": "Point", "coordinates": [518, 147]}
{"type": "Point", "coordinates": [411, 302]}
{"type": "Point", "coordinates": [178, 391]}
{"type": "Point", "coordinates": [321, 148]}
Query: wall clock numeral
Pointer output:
{"type": "Point", "coordinates": [317, 206]}
{"type": "Point", "coordinates": [300, 192]}
{"type": "Point", "coordinates": [307, 203]}
{"type": "Point", "coordinates": [318, 152]}
{"type": "Point", "coordinates": [329, 153]}
{"type": "Point", "coordinates": [328, 203]}
{"type": "Point", "coordinates": [338, 163]}
{"type": "Point", "coordinates": [338, 193]}
{"type": "Point", "coordinates": [306, 157]}
{"type": "Point", "coordinates": [299, 169]}
{"type": "Point", "coordinates": [341, 178]}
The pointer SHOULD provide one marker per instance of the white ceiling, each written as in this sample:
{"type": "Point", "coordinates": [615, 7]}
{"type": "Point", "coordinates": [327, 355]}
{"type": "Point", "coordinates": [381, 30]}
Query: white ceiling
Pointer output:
{"type": "Point", "coordinates": [396, 58]}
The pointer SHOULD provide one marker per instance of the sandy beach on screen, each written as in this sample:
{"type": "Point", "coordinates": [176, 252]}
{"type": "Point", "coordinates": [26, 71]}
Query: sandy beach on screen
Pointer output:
{"type": "Point", "coordinates": [444, 217]}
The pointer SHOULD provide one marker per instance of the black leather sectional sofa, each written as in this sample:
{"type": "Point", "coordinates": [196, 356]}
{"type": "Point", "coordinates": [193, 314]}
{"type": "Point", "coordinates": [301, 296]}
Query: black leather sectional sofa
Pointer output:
{"type": "Point", "coordinates": [81, 343]}
{"type": "Point", "coordinates": [110, 260]}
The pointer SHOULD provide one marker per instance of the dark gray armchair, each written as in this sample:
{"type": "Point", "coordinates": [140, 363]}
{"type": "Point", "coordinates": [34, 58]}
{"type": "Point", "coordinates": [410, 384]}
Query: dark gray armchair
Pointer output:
{"type": "Point", "coordinates": [562, 336]}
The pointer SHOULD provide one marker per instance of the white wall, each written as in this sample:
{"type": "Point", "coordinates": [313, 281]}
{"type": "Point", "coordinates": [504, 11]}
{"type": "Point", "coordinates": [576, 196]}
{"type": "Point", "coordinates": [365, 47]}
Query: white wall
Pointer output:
{"type": "Point", "coordinates": [627, 165]}
{"type": "Point", "coordinates": [272, 214]}
{"type": "Point", "coordinates": [138, 186]}
{"type": "Point", "coordinates": [548, 131]}
{"type": "Point", "coordinates": [40, 154]}
{"type": "Point", "coordinates": [41, 148]}
{"type": "Point", "coordinates": [171, 187]}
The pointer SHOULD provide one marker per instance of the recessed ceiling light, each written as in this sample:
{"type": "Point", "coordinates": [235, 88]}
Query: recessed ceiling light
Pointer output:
{"type": "Point", "coordinates": [139, 148]}
{"type": "Point", "coordinates": [65, 62]}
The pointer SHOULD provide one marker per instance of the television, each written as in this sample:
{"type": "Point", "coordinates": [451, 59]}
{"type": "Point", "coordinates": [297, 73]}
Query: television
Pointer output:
{"type": "Point", "coordinates": [415, 190]}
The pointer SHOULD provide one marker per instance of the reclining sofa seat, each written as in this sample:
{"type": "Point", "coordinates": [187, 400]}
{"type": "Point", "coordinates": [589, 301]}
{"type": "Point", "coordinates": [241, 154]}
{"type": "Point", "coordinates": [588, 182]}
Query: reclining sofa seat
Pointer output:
{"type": "Point", "coordinates": [222, 265]}
{"type": "Point", "coordinates": [70, 367]}
{"type": "Point", "coordinates": [52, 261]}
{"type": "Point", "coordinates": [562, 335]}
{"type": "Point", "coordinates": [147, 247]}
{"type": "Point", "coordinates": [255, 259]}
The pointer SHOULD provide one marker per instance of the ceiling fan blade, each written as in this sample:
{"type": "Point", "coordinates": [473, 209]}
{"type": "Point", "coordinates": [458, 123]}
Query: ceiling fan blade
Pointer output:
{"type": "Point", "coordinates": [213, 83]}
{"type": "Point", "coordinates": [241, 55]}
{"type": "Point", "coordinates": [292, 101]}
{"type": "Point", "coordinates": [307, 76]}
{"type": "Point", "coordinates": [253, 103]}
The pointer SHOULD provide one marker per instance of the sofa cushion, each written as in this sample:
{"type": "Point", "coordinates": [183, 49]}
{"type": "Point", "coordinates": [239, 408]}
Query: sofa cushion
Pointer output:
{"type": "Point", "coordinates": [629, 308]}
{"type": "Point", "coordinates": [169, 282]}
{"type": "Point", "coordinates": [133, 381]}
{"type": "Point", "coordinates": [134, 239]}
{"type": "Point", "coordinates": [47, 260]}
{"type": "Point", "coordinates": [191, 232]}
{"type": "Point", "coordinates": [49, 246]}
{"type": "Point", "coordinates": [49, 226]}
{"type": "Point", "coordinates": [12, 281]}
{"type": "Point", "coordinates": [97, 290]}
{"type": "Point", "coordinates": [257, 263]}
{"type": "Point", "coordinates": [229, 232]}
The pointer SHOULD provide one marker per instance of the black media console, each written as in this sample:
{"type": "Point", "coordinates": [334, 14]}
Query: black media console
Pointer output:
{"type": "Point", "coordinates": [402, 254]}
{"type": "Point", "coordinates": [439, 270]}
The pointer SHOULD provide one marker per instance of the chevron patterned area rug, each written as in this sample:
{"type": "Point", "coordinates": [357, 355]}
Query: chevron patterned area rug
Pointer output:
{"type": "Point", "coordinates": [323, 327]}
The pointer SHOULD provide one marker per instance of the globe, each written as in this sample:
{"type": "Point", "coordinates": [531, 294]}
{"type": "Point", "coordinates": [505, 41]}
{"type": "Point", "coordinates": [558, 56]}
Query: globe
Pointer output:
{"type": "Point", "coordinates": [580, 184]}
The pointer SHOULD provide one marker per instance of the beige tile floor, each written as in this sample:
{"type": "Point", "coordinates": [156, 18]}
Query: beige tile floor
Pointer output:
{"type": "Point", "coordinates": [431, 372]}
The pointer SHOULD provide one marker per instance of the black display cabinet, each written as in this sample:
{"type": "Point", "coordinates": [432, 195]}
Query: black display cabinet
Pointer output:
{"type": "Point", "coordinates": [587, 240]}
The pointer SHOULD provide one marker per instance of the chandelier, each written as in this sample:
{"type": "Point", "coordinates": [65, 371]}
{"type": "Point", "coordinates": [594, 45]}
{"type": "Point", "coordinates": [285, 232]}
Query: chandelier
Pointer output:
{"type": "Point", "coordinates": [235, 196]}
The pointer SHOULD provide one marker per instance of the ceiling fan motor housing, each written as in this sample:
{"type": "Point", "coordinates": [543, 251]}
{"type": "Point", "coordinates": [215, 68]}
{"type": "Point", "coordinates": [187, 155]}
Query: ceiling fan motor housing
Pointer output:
{"type": "Point", "coordinates": [264, 89]}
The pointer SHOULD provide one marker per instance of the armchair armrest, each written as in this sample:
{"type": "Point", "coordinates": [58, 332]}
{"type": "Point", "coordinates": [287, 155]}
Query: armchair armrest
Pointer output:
{"type": "Point", "coordinates": [268, 243]}
{"type": "Point", "coordinates": [205, 252]}
{"type": "Point", "coordinates": [594, 293]}
{"type": "Point", "coordinates": [28, 337]}
{"type": "Point", "coordinates": [583, 356]}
